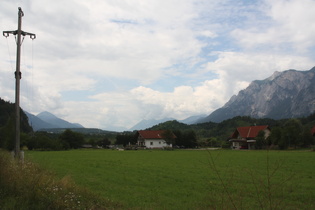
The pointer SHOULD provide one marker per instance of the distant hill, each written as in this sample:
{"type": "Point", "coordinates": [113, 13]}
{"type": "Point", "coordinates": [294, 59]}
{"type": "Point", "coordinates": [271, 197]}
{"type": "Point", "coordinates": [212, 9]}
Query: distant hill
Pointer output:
{"type": "Point", "coordinates": [91, 131]}
{"type": "Point", "coordinates": [46, 120]}
{"type": "Point", "coordinates": [192, 119]}
{"type": "Point", "coordinates": [288, 94]}
{"type": "Point", "coordinates": [224, 129]}
{"type": "Point", "coordinates": [37, 123]}
{"type": "Point", "coordinates": [170, 125]}
{"type": "Point", "coordinates": [144, 124]}
{"type": "Point", "coordinates": [220, 130]}
{"type": "Point", "coordinates": [7, 112]}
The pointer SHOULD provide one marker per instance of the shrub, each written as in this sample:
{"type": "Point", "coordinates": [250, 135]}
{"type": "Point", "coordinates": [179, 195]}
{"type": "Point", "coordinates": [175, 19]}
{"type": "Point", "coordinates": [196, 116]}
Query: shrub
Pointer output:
{"type": "Point", "coordinates": [226, 144]}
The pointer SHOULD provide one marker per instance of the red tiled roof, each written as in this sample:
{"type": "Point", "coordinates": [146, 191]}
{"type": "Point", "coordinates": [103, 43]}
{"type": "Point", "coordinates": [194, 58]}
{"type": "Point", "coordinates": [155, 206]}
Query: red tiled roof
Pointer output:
{"type": "Point", "coordinates": [249, 131]}
{"type": "Point", "coordinates": [151, 134]}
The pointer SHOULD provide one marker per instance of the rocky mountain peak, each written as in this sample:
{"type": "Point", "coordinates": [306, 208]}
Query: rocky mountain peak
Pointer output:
{"type": "Point", "coordinates": [283, 95]}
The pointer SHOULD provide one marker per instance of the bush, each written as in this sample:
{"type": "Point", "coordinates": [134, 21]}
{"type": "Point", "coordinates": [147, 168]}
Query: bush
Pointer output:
{"type": "Point", "coordinates": [71, 140]}
{"type": "Point", "coordinates": [168, 148]}
{"type": "Point", "coordinates": [226, 144]}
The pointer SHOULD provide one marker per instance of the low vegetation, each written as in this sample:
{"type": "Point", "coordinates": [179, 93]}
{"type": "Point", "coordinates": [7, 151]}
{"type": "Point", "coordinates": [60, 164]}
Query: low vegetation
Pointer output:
{"type": "Point", "coordinates": [27, 186]}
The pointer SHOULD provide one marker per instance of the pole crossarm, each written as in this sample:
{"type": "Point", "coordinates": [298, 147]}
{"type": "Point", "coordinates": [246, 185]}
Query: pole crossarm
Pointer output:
{"type": "Point", "coordinates": [23, 33]}
{"type": "Point", "coordinates": [16, 32]}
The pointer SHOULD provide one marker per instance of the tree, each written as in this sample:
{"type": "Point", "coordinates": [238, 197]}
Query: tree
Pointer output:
{"type": "Point", "coordinates": [42, 141]}
{"type": "Point", "coordinates": [306, 137]}
{"type": "Point", "coordinates": [178, 135]}
{"type": "Point", "coordinates": [169, 137]}
{"type": "Point", "coordinates": [213, 142]}
{"type": "Point", "coordinates": [92, 142]}
{"type": "Point", "coordinates": [292, 131]}
{"type": "Point", "coordinates": [275, 135]}
{"type": "Point", "coordinates": [125, 139]}
{"type": "Point", "coordinates": [7, 135]}
{"type": "Point", "coordinates": [104, 142]}
{"type": "Point", "coordinates": [24, 139]}
{"type": "Point", "coordinates": [71, 140]}
{"type": "Point", "coordinates": [260, 140]}
{"type": "Point", "coordinates": [189, 139]}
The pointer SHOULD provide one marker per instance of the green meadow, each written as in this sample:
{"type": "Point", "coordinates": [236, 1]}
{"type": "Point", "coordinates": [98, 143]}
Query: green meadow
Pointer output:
{"type": "Point", "coordinates": [190, 179]}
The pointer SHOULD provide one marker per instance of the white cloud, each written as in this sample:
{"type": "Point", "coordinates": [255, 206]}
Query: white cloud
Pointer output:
{"type": "Point", "coordinates": [291, 26]}
{"type": "Point", "coordinates": [114, 57]}
{"type": "Point", "coordinates": [236, 70]}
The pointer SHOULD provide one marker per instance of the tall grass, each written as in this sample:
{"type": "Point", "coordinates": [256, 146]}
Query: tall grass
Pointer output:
{"type": "Point", "coordinates": [27, 186]}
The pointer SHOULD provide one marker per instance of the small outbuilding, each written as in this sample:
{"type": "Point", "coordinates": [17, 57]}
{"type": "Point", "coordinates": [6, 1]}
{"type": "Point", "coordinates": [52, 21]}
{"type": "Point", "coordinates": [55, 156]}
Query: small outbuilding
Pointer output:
{"type": "Point", "coordinates": [154, 139]}
{"type": "Point", "coordinates": [244, 137]}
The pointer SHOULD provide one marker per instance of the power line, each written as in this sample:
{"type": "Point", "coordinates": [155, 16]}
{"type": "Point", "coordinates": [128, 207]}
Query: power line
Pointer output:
{"type": "Point", "coordinates": [9, 52]}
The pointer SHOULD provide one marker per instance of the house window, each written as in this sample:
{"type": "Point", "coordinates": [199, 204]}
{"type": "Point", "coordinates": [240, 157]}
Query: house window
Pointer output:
{"type": "Point", "coordinates": [151, 143]}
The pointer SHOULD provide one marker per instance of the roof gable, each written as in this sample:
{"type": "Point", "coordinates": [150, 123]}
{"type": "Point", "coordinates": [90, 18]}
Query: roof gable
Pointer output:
{"type": "Point", "coordinates": [151, 134]}
{"type": "Point", "coordinates": [159, 134]}
{"type": "Point", "coordinates": [249, 131]}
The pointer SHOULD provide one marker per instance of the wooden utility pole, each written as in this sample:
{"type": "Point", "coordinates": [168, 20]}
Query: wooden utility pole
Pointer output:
{"type": "Point", "coordinates": [18, 76]}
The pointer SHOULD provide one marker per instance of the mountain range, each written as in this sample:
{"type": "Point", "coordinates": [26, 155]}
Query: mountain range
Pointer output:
{"type": "Point", "coordinates": [287, 94]}
{"type": "Point", "coordinates": [46, 120]}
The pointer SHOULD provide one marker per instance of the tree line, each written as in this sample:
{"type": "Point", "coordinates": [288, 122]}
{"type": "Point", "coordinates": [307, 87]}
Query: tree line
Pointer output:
{"type": "Point", "coordinates": [285, 133]}
{"type": "Point", "coordinates": [68, 139]}
{"type": "Point", "coordinates": [292, 134]}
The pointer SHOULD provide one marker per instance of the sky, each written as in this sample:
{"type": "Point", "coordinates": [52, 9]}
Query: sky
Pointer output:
{"type": "Point", "coordinates": [111, 63]}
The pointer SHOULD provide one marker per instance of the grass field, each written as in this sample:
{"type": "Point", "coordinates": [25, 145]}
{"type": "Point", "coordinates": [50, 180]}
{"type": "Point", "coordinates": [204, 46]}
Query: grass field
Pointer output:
{"type": "Point", "coordinates": [191, 179]}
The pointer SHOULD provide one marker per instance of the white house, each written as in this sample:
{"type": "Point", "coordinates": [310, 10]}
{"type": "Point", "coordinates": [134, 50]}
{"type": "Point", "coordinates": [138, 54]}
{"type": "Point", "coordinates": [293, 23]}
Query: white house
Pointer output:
{"type": "Point", "coordinates": [152, 139]}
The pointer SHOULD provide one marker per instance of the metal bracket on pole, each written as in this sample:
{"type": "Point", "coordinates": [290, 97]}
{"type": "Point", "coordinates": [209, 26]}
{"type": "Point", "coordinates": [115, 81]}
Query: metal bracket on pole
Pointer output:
{"type": "Point", "coordinates": [6, 33]}
{"type": "Point", "coordinates": [32, 36]}
{"type": "Point", "coordinates": [23, 33]}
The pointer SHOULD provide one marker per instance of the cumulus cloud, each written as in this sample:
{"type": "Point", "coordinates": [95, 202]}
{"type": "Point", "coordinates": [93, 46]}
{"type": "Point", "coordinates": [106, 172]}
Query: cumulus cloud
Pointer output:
{"type": "Point", "coordinates": [110, 64]}
{"type": "Point", "coordinates": [236, 70]}
{"type": "Point", "coordinates": [290, 27]}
